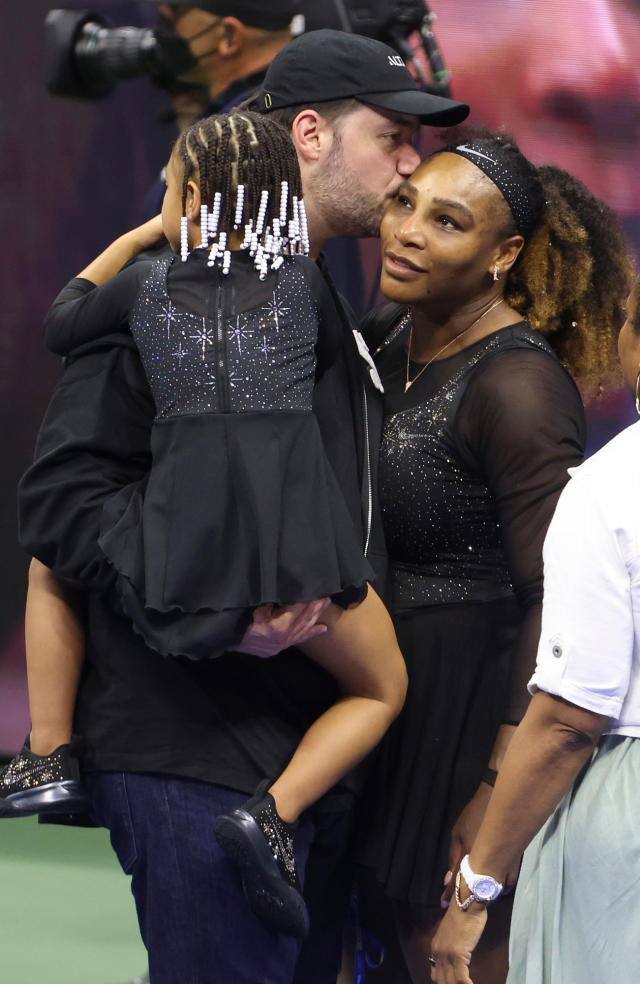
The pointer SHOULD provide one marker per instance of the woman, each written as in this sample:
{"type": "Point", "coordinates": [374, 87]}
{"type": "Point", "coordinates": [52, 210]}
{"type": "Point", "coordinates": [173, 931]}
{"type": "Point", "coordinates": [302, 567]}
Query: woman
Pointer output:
{"type": "Point", "coordinates": [482, 423]}
{"type": "Point", "coordinates": [575, 916]}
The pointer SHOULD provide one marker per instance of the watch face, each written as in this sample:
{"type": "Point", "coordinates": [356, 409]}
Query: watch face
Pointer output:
{"type": "Point", "coordinates": [486, 889]}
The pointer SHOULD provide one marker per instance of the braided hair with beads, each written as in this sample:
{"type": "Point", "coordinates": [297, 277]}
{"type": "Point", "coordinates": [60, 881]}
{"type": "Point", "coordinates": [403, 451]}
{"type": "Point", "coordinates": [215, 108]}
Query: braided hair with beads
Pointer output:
{"type": "Point", "coordinates": [247, 170]}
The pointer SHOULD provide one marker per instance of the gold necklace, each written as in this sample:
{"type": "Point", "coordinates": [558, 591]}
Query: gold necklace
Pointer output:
{"type": "Point", "coordinates": [409, 382]}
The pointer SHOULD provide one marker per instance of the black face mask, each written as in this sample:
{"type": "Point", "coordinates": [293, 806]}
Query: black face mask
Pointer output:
{"type": "Point", "coordinates": [175, 52]}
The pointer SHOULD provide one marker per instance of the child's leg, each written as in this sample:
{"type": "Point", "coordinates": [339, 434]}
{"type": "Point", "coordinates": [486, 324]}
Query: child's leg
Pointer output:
{"type": "Point", "coordinates": [45, 776]}
{"type": "Point", "coordinates": [55, 652]}
{"type": "Point", "coordinates": [361, 651]}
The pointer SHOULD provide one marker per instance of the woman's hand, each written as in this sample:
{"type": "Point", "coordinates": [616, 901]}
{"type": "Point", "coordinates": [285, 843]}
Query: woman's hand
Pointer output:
{"type": "Point", "coordinates": [463, 835]}
{"type": "Point", "coordinates": [455, 940]}
{"type": "Point", "coordinates": [468, 823]}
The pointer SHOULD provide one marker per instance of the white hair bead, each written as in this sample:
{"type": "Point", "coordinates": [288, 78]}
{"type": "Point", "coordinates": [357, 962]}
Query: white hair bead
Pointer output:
{"type": "Point", "coordinates": [304, 227]}
{"type": "Point", "coordinates": [239, 206]}
{"type": "Point", "coordinates": [284, 195]}
{"type": "Point", "coordinates": [204, 225]}
{"type": "Point", "coordinates": [213, 255]}
{"type": "Point", "coordinates": [184, 238]}
{"type": "Point", "coordinates": [248, 229]}
{"type": "Point", "coordinates": [214, 215]}
{"type": "Point", "coordinates": [262, 212]}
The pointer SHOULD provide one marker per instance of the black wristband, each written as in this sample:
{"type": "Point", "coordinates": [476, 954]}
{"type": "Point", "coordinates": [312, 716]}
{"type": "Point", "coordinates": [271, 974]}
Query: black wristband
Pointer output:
{"type": "Point", "coordinates": [490, 777]}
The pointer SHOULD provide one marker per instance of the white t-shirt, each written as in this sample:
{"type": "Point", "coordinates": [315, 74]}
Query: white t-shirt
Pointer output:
{"type": "Point", "coordinates": [589, 650]}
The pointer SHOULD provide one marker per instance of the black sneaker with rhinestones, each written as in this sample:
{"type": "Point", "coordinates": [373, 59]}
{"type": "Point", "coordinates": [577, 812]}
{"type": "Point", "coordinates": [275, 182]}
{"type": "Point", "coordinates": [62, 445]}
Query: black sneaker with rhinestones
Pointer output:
{"type": "Point", "coordinates": [34, 783]}
{"type": "Point", "coordinates": [260, 843]}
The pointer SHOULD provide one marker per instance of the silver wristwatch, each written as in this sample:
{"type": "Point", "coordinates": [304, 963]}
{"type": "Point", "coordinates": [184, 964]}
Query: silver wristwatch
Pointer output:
{"type": "Point", "coordinates": [483, 888]}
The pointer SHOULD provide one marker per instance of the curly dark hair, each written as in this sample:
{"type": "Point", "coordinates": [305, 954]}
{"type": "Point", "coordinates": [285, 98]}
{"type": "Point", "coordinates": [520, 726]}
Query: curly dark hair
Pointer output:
{"type": "Point", "coordinates": [634, 299]}
{"type": "Point", "coordinates": [575, 270]}
{"type": "Point", "coordinates": [239, 148]}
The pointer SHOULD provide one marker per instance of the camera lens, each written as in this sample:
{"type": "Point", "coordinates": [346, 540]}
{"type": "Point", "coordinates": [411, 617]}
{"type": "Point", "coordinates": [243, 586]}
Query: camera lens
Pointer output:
{"type": "Point", "coordinates": [104, 55]}
{"type": "Point", "coordinates": [85, 56]}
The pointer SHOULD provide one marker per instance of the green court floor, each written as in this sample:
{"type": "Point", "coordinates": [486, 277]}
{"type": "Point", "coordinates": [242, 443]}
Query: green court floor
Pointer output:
{"type": "Point", "coordinates": [66, 911]}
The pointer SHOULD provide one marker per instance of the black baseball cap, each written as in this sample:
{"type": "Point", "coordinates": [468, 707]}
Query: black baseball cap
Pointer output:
{"type": "Point", "coordinates": [326, 65]}
{"type": "Point", "coordinates": [273, 15]}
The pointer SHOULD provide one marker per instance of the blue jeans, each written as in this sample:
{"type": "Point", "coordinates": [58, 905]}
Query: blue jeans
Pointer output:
{"type": "Point", "coordinates": [327, 886]}
{"type": "Point", "coordinates": [193, 919]}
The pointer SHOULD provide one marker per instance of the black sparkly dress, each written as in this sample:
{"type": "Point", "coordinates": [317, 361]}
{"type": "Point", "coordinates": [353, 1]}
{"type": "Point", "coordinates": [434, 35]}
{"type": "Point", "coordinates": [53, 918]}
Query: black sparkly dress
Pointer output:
{"type": "Point", "coordinates": [240, 506]}
{"type": "Point", "coordinates": [474, 457]}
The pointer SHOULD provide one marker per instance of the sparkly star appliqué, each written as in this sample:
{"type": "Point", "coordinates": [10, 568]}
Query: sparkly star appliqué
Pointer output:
{"type": "Point", "coordinates": [275, 309]}
{"type": "Point", "coordinates": [179, 354]}
{"type": "Point", "coordinates": [239, 332]}
{"type": "Point", "coordinates": [265, 348]}
{"type": "Point", "coordinates": [169, 312]}
{"type": "Point", "coordinates": [204, 336]}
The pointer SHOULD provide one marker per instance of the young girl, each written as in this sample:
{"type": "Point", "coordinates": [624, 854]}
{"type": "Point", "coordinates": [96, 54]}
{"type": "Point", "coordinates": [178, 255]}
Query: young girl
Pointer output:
{"type": "Point", "coordinates": [240, 507]}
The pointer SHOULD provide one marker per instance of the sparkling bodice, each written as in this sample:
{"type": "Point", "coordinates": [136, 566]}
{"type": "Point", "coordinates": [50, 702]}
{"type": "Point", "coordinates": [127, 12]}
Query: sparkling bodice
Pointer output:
{"type": "Point", "coordinates": [441, 524]}
{"type": "Point", "coordinates": [253, 352]}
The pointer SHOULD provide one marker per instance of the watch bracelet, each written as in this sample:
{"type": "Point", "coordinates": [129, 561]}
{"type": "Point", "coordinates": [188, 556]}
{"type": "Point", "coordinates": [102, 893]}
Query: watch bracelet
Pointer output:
{"type": "Point", "coordinates": [467, 902]}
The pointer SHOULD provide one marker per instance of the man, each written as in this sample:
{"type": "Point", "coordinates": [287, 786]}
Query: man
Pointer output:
{"type": "Point", "coordinates": [172, 743]}
{"type": "Point", "coordinates": [353, 130]}
{"type": "Point", "coordinates": [232, 43]}
{"type": "Point", "coordinates": [325, 177]}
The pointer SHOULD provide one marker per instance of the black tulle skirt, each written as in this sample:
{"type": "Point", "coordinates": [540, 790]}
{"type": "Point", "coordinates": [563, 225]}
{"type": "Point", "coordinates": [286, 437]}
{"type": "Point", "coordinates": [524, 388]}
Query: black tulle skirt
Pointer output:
{"type": "Point", "coordinates": [433, 757]}
{"type": "Point", "coordinates": [238, 510]}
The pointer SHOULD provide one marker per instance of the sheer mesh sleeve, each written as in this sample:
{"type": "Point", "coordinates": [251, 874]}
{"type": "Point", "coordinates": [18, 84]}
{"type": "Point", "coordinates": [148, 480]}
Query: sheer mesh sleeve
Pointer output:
{"type": "Point", "coordinates": [82, 312]}
{"type": "Point", "coordinates": [521, 424]}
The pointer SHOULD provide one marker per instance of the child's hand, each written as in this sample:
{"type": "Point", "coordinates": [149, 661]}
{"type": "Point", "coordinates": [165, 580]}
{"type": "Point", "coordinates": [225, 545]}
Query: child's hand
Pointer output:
{"type": "Point", "coordinates": [122, 250]}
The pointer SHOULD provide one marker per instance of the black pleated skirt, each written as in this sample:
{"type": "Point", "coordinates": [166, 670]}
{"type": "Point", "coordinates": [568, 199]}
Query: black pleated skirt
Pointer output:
{"type": "Point", "coordinates": [238, 510]}
{"type": "Point", "coordinates": [434, 756]}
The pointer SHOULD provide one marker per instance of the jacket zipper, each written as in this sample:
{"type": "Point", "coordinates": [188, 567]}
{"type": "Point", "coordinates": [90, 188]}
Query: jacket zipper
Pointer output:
{"type": "Point", "coordinates": [221, 366]}
{"type": "Point", "coordinates": [367, 457]}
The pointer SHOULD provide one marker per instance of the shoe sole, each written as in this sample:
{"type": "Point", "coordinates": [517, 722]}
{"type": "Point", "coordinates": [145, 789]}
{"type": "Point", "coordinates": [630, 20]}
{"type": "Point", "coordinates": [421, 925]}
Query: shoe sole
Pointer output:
{"type": "Point", "coordinates": [56, 797]}
{"type": "Point", "coordinates": [278, 905]}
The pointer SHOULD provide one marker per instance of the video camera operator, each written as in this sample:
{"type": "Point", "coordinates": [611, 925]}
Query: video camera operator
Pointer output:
{"type": "Point", "coordinates": [233, 42]}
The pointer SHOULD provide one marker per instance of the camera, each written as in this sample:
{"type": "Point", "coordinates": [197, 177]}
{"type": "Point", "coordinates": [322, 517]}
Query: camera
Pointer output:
{"type": "Point", "coordinates": [85, 56]}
